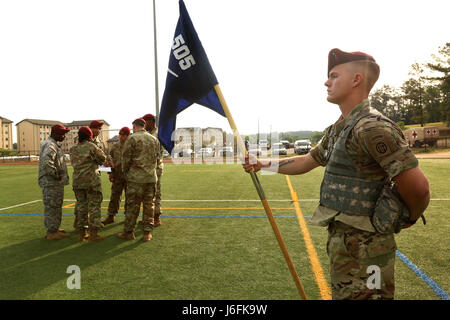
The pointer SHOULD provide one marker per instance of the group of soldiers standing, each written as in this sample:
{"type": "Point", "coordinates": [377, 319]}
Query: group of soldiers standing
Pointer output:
{"type": "Point", "coordinates": [136, 168]}
{"type": "Point", "coordinates": [372, 185]}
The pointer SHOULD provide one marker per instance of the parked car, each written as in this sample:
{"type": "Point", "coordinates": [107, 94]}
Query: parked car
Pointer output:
{"type": "Point", "coordinates": [287, 144]}
{"type": "Point", "coordinates": [226, 152]}
{"type": "Point", "coordinates": [264, 144]}
{"type": "Point", "coordinates": [302, 146]}
{"type": "Point", "coordinates": [278, 149]}
{"type": "Point", "coordinates": [205, 152]}
{"type": "Point", "coordinates": [254, 149]}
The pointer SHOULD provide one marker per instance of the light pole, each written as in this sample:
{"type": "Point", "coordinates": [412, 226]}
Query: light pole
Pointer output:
{"type": "Point", "coordinates": [155, 46]}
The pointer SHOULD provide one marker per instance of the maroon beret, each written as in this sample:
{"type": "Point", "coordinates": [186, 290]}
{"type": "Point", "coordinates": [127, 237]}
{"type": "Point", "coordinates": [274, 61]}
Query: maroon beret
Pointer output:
{"type": "Point", "coordinates": [124, 131]}
{"type": "Point", "coordinates": [95, 124]}
{"type": "Point", "coordinates": [86, 131]}
{"type": "Point", "coordinates": [336, 57]}
{"type": "Point", "coordinates": [139, 122]}
{"type": "Point", "coordinates": [60, 129]}
{"type": "Point", "coordinates": [148, 116]}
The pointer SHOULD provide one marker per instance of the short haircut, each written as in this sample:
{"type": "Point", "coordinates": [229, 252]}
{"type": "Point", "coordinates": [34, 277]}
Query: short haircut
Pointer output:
{"type": "Point", "coordinates": [84, 133]}
{"type": "Point", "coordinates": [139, 122]}
{"type": "Point", "coordinates": [82, 137]}
{"type": "Point", "coordinates": [370, 71]}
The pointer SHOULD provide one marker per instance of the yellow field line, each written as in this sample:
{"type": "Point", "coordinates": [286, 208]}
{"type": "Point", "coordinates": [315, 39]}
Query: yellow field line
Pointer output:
{"type": "Point", "coordinates": [312, 254]}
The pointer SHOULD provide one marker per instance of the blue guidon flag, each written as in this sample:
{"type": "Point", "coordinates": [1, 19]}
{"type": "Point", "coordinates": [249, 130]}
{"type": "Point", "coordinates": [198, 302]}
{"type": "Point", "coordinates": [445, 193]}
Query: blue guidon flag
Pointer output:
{"type": "Point", "coordinates": [190, 79]}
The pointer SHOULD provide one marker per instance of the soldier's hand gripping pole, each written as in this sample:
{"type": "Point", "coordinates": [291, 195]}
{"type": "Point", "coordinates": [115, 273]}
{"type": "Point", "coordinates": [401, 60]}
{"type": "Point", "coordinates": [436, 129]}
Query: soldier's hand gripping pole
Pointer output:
{"type": "Point", "coordinates": [262, 196]}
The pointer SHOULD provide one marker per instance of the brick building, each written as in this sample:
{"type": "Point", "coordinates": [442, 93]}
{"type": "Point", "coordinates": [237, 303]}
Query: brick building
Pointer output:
{"type": "Point", "coordinates": [6, 139]}
{"type": "Point", "coordinates": [31, 132]}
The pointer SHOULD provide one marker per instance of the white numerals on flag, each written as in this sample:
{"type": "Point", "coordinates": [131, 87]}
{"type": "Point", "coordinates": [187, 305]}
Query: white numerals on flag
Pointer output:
{"type": "Point", "coordinates": [182, 53]}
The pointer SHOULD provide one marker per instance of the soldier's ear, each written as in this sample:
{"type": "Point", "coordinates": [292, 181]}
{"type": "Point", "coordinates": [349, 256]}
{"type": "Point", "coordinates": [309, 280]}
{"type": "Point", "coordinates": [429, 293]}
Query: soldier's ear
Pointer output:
{"type": "Point", "coordinates": [358, 79]}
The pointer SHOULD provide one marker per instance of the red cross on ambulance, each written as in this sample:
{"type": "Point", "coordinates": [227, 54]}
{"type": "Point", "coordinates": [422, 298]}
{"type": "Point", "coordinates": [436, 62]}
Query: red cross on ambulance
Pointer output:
{"type": "Point", "coordinates": [414, 134]}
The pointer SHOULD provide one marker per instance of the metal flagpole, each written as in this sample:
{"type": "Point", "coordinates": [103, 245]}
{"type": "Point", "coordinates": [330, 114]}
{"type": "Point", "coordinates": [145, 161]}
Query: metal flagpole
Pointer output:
{"type": "Point", "coordinates": [155, 46]}
{"type": "Point", "coordinates": [262, 196]}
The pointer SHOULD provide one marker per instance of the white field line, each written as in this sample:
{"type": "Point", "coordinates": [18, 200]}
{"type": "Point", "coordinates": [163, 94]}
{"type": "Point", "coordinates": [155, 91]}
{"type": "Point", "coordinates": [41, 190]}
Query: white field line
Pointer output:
{"type": "Point", "coordinates": [20, 204]}
{"type": "Point", "coordinates": [227, 200]}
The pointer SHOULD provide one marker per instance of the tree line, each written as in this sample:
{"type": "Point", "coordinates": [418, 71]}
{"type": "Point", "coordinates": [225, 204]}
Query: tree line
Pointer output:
{"type": "Point", "coordinates": [423, 98]}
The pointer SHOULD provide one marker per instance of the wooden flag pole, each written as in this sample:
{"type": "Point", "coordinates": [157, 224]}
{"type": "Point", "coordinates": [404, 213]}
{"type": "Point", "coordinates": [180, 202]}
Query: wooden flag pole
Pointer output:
{"type": "Point", "coordinates": [262, 196]}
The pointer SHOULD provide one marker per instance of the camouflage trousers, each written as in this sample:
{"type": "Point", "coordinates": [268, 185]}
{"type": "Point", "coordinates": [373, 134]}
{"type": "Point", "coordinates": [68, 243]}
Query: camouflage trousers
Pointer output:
{"type": "Point", "coordinates": [361, 263]}
{"type": "Point", "coordinates": [88, 206]}
{"type": "Point", "coordinates": [136, 194]}
{"type": "Point", "coordinates": [52, 197]}
{"type": "Point", "coordinates": [158, 192]}
{"type": "Point", "coordinates": [117, 189]}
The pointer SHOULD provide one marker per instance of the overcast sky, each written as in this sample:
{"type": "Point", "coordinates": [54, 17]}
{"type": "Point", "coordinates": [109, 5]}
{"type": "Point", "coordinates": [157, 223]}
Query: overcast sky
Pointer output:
{"type": "Point", "coordinates": [93, 59]}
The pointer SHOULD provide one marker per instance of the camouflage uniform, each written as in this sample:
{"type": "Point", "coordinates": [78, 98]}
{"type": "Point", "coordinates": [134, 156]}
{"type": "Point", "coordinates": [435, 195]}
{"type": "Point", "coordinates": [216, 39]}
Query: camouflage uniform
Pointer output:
{"type": "Point", "coordinates": [85, 158]}
{"type": "Point", "coordinates": [102, 146]}
{"type": "Point", "coordinates": [52, 179]}
{"type": "Point", "coordinates": [159, 171]}
{"type": "Point", "coordinates": [119, 183]}
{"type": "Point", "coordinates": [379, 152]}
{"type": "Point", "coordinates": [139, 159]}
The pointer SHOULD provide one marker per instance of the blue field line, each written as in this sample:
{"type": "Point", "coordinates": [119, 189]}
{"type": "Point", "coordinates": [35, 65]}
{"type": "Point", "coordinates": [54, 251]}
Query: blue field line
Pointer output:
{"type": "Point", "coordinates": [430, 282]}
{"type": "Point", "coordinates": [162, 216]}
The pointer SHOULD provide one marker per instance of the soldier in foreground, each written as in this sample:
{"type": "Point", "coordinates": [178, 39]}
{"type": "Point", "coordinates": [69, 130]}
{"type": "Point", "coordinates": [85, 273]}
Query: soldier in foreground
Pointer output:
{"type": "Point", "coordinates": [75, 210]}
{"type": "Point", "coordinates": [52, 179]}
{"type": "Point", "coordinates": [116, 176]}
{"type": "Point", "coordinates": [139, 157]}
{"type": "Point", "coordinates": [86, 157]}
{"type": "Point", "coordinates": [150, 126]}
{"type": "Point", "coordinates": [364, 154]}
{"type": "Point", "coordinates": [96, 127]}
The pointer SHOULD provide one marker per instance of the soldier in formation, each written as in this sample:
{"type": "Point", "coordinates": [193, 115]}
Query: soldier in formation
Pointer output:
{"type": "Point", "coordinates": [86, 157]}
{"type": "Point", "coordinates": [96, 127]}
{"type": "Point", "coordinates": [139, 159]}
{"type": "Point", "coordinates": [372, 185]}
{"type": "Point", "coordinates": [116, 176]}
{"type": "Point", "coordinates": [52, 178]}
{"type": "Point", "coordinates": [150, 126]}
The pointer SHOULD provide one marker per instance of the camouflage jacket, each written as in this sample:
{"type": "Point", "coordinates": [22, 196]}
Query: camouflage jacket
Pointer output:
{"type": "Point", "coordinates": [102, 146]}
{"type": "Point", "coordinates": [379, 150]}
{"type": "Point", "coordinates": [85, 158]}
{"type": "Point", "coordinates": [115, 152]}
{"type": "Point", "coordinates": [139, 157]}
{"type": "Point", "coordinates": [159, 165]}
{"type": "Point", "coordinates": [52, 165]}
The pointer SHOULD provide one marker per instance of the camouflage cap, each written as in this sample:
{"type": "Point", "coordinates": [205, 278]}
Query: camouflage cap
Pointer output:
{"type": "Point", "coordinates": [336, 57]}
{"type": "Point", "coordinates": [391, 213]}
